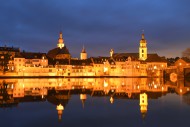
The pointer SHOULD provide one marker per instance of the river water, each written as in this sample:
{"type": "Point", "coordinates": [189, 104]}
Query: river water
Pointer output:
{"type": "Point", "coordinates": [94, 102]}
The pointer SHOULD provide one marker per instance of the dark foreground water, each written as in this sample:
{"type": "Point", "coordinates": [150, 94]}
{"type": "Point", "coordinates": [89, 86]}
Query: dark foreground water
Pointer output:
{"type": "Point", "coordinates": [90, 104]}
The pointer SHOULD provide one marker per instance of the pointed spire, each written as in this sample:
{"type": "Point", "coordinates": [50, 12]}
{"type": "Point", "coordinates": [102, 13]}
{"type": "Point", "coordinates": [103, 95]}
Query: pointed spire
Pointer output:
{"type": "Point", "coordinates": [60, 40]}
{"type": "Point", "coordinates": [60, 35]}
{"type": "Point", "coordinates": [143, 34]}
{"type": "Point", "coordinates": [83, 49]}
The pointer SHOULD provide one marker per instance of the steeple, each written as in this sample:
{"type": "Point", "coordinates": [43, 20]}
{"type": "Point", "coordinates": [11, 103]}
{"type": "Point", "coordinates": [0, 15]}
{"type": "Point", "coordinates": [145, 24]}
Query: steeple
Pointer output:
{"type": "Point", "coordinates": [83, 50]}
{"type": "Point", "coordinates": [143, 48]}
{"type": "Point", "coordinates": [83, 54]}
{"type": "Point", "coordinates": [60, 41]}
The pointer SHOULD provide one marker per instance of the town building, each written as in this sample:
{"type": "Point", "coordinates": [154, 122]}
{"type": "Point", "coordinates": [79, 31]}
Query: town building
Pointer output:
{"type": "Point", "coordinates": [180, 64]}
{"type": "Point", "coordinates": [58, 62]}
{"type": "Point", "coordinates": [7, 55]}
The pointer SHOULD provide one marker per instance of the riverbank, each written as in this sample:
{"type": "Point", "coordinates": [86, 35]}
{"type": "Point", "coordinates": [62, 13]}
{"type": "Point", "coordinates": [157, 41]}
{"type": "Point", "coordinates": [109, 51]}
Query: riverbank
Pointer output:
{"type": "Point", "coordinates": [6, 77]}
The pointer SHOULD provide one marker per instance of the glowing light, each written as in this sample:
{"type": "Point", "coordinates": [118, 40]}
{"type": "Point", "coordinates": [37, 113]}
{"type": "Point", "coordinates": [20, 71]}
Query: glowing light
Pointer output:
{"type": "Point", "coordinates": [181, 90]}
{"type": "Point", "coordinates": [111, 100]}
{"type": "Point", "coordinates": [105, 69]}
{"type": "Point", "coordinates": [105, 84]}
{"type": "Point", "coordinates": [60, 107]}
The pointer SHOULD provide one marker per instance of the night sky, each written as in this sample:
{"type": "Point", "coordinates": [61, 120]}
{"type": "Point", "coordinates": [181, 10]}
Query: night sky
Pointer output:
{"type": "Point", "coordinates": [99, 25]}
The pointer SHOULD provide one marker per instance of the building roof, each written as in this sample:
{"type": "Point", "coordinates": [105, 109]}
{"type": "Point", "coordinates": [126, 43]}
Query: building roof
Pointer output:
{"type": "Point", "coordinates": [81, 62]}
{"type": "Point", "coordinates": [155, 58]}
{"type": "Point", "coordinates": [99, 60]}
{"type": "Point", "coordinates": [10, 49]}
{"type": "Point", "coordinates": [135, 56]}
{"type": "Point", "coordinates": [186, 59]}
{"type": "Point", "coordinates": [126, 55]}
{"type": "Point", "coordinates": [56, 51]}
{"type": "Point", "coordinates": [31, 55]}
{"type": "Point", "coordinates": [85, 62]}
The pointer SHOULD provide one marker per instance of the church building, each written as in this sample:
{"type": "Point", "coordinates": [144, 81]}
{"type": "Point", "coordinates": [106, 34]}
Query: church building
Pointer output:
{"type": "Point", "coordinates": [61, 52]}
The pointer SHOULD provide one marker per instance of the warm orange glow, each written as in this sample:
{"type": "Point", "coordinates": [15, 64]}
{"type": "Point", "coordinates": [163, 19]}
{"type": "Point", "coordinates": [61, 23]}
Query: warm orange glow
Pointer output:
{"type": "Point", "coordinates": [60, 107]}
{"type": "Point", "coordinates": [111, 100]}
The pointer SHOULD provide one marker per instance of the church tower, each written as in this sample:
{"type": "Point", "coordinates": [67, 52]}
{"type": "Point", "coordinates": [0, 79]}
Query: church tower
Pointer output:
{"type": "Point", "coordinates": [142, 49]}
{"type": "Point", "coordinates": [83, 54]}
{"type": "Point", "coordinates": [60, 41]}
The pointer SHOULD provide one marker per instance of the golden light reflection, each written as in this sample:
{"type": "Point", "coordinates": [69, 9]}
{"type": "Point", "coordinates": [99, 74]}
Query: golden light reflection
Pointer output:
{"type": "Point", "coordinates": [113, 88]}
{"type": "Point", "coordinates": [59, 109]}
{"type": "Point", "coordinates": [111, 100]}
{"type": "Point", "coordinates": [143, 104]}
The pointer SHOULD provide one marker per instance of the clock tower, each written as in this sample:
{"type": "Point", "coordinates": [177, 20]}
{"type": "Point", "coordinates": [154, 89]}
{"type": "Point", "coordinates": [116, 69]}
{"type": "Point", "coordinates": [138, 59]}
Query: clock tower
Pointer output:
{"type": "Point", "coordinates": [143, 48]}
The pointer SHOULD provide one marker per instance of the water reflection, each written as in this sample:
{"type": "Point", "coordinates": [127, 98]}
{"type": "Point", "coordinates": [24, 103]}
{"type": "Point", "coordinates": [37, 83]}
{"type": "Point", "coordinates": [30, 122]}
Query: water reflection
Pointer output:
{"type": "Point", "coordinates": [59, 91]}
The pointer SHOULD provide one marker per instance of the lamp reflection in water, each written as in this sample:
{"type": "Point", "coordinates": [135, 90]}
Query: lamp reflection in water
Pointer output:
{"type": "Point", "coordinates": [111, 100]}
{"type": "Point", "coordinates": [60, 109]}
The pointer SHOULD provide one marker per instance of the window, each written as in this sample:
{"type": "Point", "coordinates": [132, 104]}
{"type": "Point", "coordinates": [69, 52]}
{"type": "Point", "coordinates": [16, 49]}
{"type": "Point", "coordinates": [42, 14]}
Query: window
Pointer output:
{"type": "Point", "coordinates": [142, 51]}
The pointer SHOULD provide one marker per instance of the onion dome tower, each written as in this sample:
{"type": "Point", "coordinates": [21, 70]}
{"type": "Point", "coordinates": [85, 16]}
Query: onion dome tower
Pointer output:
{"type": "Point", "coordinates": [61, 52]}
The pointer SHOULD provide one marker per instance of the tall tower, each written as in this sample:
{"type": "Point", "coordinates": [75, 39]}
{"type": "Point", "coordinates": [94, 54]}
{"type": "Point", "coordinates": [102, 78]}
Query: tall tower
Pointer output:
{"type": "Point", "coordinates": [142, 49]}
{"type": "Point", "coordinates": [60, 43]}
{"type": "Point", "coordinates": [83, 54]}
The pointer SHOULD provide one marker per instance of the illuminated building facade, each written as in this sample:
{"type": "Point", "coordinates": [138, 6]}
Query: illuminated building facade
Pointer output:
{"type": "Point", "coordinates": [182, 63]}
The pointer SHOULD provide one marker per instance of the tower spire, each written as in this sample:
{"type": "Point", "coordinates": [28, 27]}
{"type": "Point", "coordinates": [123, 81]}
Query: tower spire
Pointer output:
{"type": "Point", "coordinates": [143, 48]}
{"type": "Point", "coordinates": [83, 49]}
{"type": "Point", "coordinates": [60, 41]}
{"type": "Point", "coordinates": [83, 54]}
{"type": "Point", "coordinates": [143, 35]}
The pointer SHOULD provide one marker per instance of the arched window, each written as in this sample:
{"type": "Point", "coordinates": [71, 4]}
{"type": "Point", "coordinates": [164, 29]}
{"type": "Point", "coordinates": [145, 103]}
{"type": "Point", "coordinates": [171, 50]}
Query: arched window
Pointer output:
{"type": "Point", "coordinates": [142, 51]}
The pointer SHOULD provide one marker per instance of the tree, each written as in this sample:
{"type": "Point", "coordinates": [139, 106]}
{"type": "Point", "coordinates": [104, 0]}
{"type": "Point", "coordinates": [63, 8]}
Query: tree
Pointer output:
{"type": "Point", "coordinates": [186, 53]}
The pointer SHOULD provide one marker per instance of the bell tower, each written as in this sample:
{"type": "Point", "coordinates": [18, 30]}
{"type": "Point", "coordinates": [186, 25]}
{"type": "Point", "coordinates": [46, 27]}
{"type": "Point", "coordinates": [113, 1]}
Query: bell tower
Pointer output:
{"type": "Point", "coordinates": [83, 54]}
{"type": "Point", "coordinates": [60, 43]}
{"type": "Point", "coordinates": [143, 48]}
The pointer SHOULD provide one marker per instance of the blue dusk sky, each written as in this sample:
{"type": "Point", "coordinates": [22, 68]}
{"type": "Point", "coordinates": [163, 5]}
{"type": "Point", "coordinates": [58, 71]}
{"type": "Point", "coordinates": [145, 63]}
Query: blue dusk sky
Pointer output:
{"type": "Point", "coordinates": [99, 25]}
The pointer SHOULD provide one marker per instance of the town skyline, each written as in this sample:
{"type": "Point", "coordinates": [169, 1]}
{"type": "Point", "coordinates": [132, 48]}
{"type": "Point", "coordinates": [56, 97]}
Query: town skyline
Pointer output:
{"type": "Point", "coordinates": [98, 25]}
